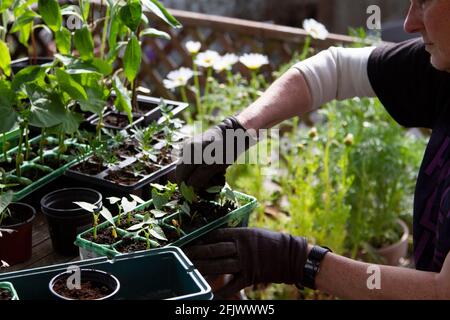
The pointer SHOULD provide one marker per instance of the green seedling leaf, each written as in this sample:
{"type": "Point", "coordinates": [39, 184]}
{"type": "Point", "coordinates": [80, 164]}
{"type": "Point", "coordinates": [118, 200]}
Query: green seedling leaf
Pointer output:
{"type": "Point", "coordinates": [130, 14]}
{"type": "Point", "coordinates": [84, 43]}
{"type": "Point", "coordinates": [7, 101]}
{"type": "Point", "coordinates": [25, 19]}
{"type": "Point", "coordinates": [155, 33]}
{"type": "Point", "coordinates": [69, 85]}
{"type": "Point", "coordinates": [50, 13]}
{"type": "Point", "coordinates": [27, 75]}
{"type": "Point", "coordinates": [113, 200]}
{"type": "Point", "coordinates": [187, 192]}
{"type": "Point", "coordinates": [158, 233]}
{"type": "Point", "coordinates": [185, 208]}
{"type": "Point", "coordinates": [136, 227]}
{"type": "Point", "coordinates": [85, 7]}
{"type": "Point", "coordinates": [123, 100]}
{"type": "Point", "coordinates": [215, 189]}
{"type": "Point", "coordinates": [47, 109]}
{"type": "Point", "coordinates": [102, 66]}
{"type": "Point", "coordinates": [107, 215]}
{"type": "Point", "coordinates": [86, 206]}
{"type": "Point", "coordinates": [5, 4]}
{"type": "Point", "coordinates": [158, 213]}
{"type": "Point", "coordinates": [71, 122]}
{"type": "Point", "coordinates": [5, 58]}
{"type": "Point", "coordinates": [63, 40]}
{"type": "Point", "coordinates": [137, 199]}
{"type": "Point", "coordinates": [158, 9]}
{"type": "Point", "coordinates": [159, 200]}
{"type": "Point", "coordinates": [128, 206]}
{"type": "Point", "coordinates": [132, 59]}
{"type": "Point", "coordinates": [5, 200]}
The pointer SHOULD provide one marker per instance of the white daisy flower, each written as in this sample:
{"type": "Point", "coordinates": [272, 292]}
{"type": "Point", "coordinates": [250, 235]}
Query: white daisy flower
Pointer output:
{"type": "Point", "coordinates": [178, 78]}
{"type": "Point", "coordinates": [315, 29]}
{"type": "Point", "coordinates": [254, 61]}
{"type": "Point", "coordinates": [226, 62]}
{"type": "Point", "coordinates": [193, 47]}
{"type": "Point", "coordinates": [207, 59]}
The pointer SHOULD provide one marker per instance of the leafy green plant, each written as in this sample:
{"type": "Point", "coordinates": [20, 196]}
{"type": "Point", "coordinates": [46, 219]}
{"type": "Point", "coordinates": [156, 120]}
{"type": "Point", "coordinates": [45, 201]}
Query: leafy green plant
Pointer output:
{"type": "Point", "coordinates": [150, 228]}
{"type": "Point", "coordinates": [96, 213]}
{"type": "Point", "coordinates": [125, 207]}
{"type": "Point", "coordinates": [5, 200]}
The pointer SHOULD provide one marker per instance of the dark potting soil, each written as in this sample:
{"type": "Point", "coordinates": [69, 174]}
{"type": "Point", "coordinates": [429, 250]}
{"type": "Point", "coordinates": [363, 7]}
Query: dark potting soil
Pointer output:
{"type": "Point", "coordinates": [165, 155]}
{"type": "Point", "coordinates": [125, 225]}
{"type": "Point", "coordinates": [5, 294]}
{"type": "Point", "coordinates": [117, 120]}
{"type": "Point", "coordinates": [53, 162]}
{"type": "Point", "coordinates": [104, 236]}
{"type": "Point", "coordinates": [90, 290]}
{"type": "Point", "coordinates": [144, 168]}
{"type": "Point", "coordinates": [127, 149]}
{"type": "Point", "coordinates": [34, 174]}
{"type": "Point", "coordinates": [123, 176]}
{"type": "Point", "coordinates": [8, 166]}
{"type": "Point", "coordinates": [91, 166]}
{"type": "Point", "coordinates": [131, 245]}
{"type": "Point", "coordinates": [202, 213]}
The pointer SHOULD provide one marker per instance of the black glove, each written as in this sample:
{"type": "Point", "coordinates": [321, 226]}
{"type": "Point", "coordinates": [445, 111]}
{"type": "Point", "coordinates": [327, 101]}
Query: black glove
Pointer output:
{"type": "Point", "coordinates": [252, 255]}
{"type": "Point", "coordinates": [204, 172]}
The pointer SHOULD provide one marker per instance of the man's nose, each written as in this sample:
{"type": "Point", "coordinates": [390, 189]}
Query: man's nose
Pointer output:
{"type": "Point", "coordinates": [414, 20]}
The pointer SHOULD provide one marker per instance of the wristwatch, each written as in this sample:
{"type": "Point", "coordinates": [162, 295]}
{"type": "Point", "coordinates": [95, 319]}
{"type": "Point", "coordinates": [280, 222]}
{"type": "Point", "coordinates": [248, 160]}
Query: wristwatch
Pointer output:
{"type": "Point", "coordinates": [312, 266]}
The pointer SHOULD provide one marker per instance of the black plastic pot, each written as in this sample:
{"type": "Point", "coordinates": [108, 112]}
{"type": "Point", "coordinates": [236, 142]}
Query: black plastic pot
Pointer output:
{"type": "Point", "coordinates": [95, 276]}
{"type": "Point", "coordinates": [65, 219]}
{"type": "Point", "coordinates": [16, 247]}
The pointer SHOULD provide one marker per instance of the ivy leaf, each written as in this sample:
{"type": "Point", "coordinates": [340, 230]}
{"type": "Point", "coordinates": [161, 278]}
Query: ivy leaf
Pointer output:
{"type": "Point", "coordinates": [5, 58]}
{"type": "Point", "coordinates": [50, 13]}
{"type": "Point", "coordinates": [132, 59]}
{"type": "Point", "coordinates": [130, 14]}
{"type": "Point", "coordinates": [84, 43]}
{"type": "Point", "coordinates": [63, 40]}
{"type": "Point", "coordinates": [158, 9]}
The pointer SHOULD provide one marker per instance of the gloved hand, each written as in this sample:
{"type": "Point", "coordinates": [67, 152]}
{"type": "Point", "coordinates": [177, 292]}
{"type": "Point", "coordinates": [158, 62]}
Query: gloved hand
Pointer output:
{"type": "Point", "coordinates": [252, 255]}
{"type": "Point", "coordinates": [203, 168]}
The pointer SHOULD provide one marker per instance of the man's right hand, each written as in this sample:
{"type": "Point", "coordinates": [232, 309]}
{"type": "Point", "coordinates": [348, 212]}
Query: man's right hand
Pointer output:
{"type": "Point", "coordinates": [206, 157]}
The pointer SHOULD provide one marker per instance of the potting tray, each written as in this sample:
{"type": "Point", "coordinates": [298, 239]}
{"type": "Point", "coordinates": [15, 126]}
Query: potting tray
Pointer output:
{"type": "Point", "coordinates": [164, 273]}
{"type": "Point", "coordinates": [152, 112]}
{"type": "Point", "coordinates": [10, 136]}
{"type": "Point", "coordinates": [89, 249]}
{"type": "Point", "coordinates": [9, 286]}
{"type": "Point", "coordinates": [126, 163]}
{"type": "Point", "coordinates": [31, 186]}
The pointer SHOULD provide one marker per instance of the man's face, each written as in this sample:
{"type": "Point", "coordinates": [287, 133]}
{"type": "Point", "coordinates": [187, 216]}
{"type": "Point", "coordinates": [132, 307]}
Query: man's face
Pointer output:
{"type": "Point", "coordinates": [432, 19]}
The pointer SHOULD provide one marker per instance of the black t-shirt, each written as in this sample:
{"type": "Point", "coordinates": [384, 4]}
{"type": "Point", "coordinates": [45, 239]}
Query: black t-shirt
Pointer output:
{"type": "Point", "coordinates": [417, 95]}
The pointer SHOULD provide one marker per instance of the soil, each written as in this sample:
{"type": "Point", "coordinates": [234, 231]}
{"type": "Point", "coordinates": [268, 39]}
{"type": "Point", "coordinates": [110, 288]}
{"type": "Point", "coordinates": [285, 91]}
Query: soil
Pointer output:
{"type": "Point", "coordinates": [53, 162]}
{"type": "Point", "coordinates": [5, 294]}
{"type": "Point", "coordinates": [34, 174]}
{"type": "Point", "coordinates": [123, 177]}
{"type": "Point", "coordinates": [202, 213]}
{"type": "Point", "coordinates": [165, 156]}
{"type": "Point", "coordinates": [104, 236]}
{"type": "Point", "coordinates": [131, 245]}
{"type": "Point", "coordinates": [89, 290]}
{"type": "Point", "coordinates": [117, 120]}
{"type": "Point", "coordinates": [91, 166]}
{"type": "Point", "coordinates": [123, 222]}
{"type": "Point", "coordinates": [8, 166]}
{"type": "Point", "coordinates": [144, 168]}
{"type": "Point", "coordinates": [127, 149]}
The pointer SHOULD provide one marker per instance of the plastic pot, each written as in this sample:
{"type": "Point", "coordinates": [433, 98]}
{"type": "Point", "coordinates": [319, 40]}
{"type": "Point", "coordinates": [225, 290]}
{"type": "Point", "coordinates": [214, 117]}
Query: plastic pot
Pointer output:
{"type": "Point", "coordinates": [15, 247]}
{"type": "Point", "coordinates": [65, 219]}
{"type": "Point", "coordinates": [94, 276]}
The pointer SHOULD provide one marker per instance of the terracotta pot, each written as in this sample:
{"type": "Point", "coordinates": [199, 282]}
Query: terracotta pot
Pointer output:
{"type": "Point", "coordinates": [392, 254]}
{"type": "Point", "coordinates": [16, 247]}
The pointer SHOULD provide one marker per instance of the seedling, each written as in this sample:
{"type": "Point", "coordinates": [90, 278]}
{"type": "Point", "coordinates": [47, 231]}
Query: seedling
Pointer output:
{"type": "Point", "coordinates": [149, 227]}
{"type": "Point", "coordinates": [5, 201]}
{"type": "Point", "coordinates": [125, 207]}
{"type": "Point", "coordinates": [96, 213]}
